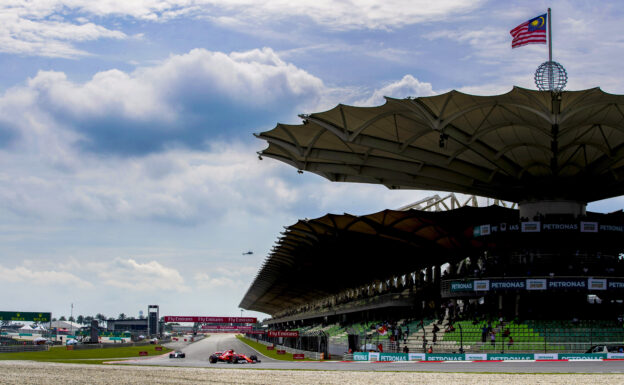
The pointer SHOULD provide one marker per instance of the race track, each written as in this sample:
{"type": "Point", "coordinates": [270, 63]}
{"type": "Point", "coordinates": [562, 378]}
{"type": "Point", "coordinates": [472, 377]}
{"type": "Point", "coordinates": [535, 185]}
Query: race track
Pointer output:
{"type": "Point", "coordinates": [197, 356]}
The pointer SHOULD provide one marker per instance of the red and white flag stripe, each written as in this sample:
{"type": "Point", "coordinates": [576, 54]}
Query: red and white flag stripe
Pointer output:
{"type": "Point", "coordinates": [522, 36]}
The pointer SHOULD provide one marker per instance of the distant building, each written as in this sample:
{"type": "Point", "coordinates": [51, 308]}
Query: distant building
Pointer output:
{"type": "Point", "coordinates": [134, 326]}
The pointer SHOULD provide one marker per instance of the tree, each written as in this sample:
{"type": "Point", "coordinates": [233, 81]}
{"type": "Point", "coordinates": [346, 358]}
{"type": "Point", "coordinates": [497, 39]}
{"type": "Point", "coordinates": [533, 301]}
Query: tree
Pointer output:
{"type": "Point", "coordinates": [62, 318]}
{"type": "Point", "coordinates": [72, 319]}
{"type": "Point", "coordinates": [88, 320]}
{"type": "Point", "coordinates": [100, 317]}
{"type": "Point", "coordinates": [122, 316]}
{"type": "Point", "coordinates": [80, 319]}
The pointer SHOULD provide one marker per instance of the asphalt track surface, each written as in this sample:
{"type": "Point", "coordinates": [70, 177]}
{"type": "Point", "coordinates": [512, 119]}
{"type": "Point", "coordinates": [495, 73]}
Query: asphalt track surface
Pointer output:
{"type": "Point", "coordinates": [197, 356]}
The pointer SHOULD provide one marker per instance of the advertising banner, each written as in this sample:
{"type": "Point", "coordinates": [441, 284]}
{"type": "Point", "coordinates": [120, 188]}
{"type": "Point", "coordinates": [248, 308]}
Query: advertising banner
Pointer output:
{"type": "Point", "coordinates": [393, 357]}
{"type": "Point", "coordinates": [567, 283]}
{"type": "Point", "coordinates": [445, 357]}
{"type": "Point", "coordinates": [476, 356]}
{"type": "Point", "coordinates": [531, 227]}
{"type": "Point", "coordinates": [617, 229]}
{"type": "Point", "coordinates": [536, 284]}
{"type": "Point", "coordinates": [510, 356]}
{"type": "Point", "coordinates": [616, 284]}
{"type": "Point", "coordinates": [545, 356]}
{"type": "Point", "coordinates": [283, 333]}
{"type": "Point", "coordinates": [226, 327]}
{"type": "Point", "coordinates": [560, 227]}
{"type": "Point", "coordinates": [255, 332]}
{"type": "Point", "coordinates": [215, 320]}
{"type": "Point", "coordinates": [536, 227]}
{"type": "Point", "coordinates": [25, 316]}
{"type": "Point", "coordinates": [362, 356]}
{"type": "Point", "coordinates": [416, 357]}
{"type": "Point", "coordinates": [589, 227]}
{"type": "Point", "coordinates": [459, 286]}
{"type": "Point", "coordinates": [507, 284]}
{"type": "Point", "coordinates": [596, 284]}
{"type": "Point", "coordinates": [582, 356]}
{"type": "Point", "coordinates": [482, 285]}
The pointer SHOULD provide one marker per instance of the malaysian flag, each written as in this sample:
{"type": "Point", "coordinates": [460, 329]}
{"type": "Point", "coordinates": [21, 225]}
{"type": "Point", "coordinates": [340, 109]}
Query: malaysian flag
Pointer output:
{"type": "Point", "coordinates": [529, 32]}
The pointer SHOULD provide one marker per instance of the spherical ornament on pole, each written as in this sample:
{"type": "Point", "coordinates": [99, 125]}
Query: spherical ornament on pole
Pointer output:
{"type": "Point", "coordinates": [551, 76]}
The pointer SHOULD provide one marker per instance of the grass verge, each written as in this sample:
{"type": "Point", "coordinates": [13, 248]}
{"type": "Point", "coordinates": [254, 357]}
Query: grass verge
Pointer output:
{"type": "Point", "coordinates": [269, 353]}
{"type": "Point", "coordinates": [86, 356]}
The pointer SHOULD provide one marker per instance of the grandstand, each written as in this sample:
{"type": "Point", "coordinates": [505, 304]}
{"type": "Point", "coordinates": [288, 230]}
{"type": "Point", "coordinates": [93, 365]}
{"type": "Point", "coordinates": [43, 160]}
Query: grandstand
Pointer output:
{"type": "Point", "coordinates": [535, 265]}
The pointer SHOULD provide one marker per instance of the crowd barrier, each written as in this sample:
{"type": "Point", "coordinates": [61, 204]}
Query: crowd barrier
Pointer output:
{"type": "Point", "coordinates": [375, 356]}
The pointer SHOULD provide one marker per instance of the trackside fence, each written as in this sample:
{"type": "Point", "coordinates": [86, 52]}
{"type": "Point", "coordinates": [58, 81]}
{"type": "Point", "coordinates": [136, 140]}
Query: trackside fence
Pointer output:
{"type": "Point", "coordinates": [24, 348]}
{"type": "Point", "coordinates": [312, 345]}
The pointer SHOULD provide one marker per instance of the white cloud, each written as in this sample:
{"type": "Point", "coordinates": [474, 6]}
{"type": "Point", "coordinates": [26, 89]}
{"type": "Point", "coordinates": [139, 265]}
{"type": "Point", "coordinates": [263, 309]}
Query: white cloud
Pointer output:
{"type": "Point", "coordinates": [65, 158]}
{"type": "Point", "coordinates": [26, 33]}
{"type": "Point", "coordinates": [350, 14]}
{"type": "Point", "coordinates": [148, 276]}
{"type": "Point", "coordinates": [29, 275]}
{"type": "Point", "coordinates": [205, 281]}
{"type": "Point", "coordinates": [407, 86]}
{"type": "Point", "coordinates": [46, 28]}
{"type": "Point", "coordinates": [249, 79]}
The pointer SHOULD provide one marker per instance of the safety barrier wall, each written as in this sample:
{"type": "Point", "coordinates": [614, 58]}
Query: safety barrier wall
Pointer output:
{"type": "Point", "coordinates": [119, 345]}
{"type": "Point", "coordinates": [307, 354]}
{"type": "Point", "coordinates": [375, 356]}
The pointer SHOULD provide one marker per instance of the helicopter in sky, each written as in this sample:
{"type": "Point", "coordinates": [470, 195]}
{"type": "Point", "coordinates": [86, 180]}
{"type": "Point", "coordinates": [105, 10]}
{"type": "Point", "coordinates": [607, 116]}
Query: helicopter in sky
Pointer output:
{"type": "Point", "coordinates": [248, 252]}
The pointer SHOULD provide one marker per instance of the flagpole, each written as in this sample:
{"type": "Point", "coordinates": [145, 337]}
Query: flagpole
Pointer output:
{"type": "Point", "coordinates": [549, 38]}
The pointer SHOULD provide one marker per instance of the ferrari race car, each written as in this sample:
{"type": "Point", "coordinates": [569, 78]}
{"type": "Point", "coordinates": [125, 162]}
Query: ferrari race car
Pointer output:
{"type": "Point", "coordinates": [231, 357]}
{"type": "Point", "coordinates": [177, 354]}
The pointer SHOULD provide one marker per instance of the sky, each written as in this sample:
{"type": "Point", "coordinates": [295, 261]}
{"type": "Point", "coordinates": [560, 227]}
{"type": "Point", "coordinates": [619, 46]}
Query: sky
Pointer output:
{"type": "Point", "coordinates": [130, 175]}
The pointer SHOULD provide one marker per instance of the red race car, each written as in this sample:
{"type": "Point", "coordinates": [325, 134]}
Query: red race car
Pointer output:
{"type": "Point", "coordinates": [231, 357]}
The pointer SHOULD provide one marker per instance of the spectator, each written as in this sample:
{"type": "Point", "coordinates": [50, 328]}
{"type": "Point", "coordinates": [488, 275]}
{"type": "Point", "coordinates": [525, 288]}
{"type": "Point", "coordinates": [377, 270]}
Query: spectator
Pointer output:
{"type": "Point", "coordinates": [511, 341]}
{"type": "Point", "coordinates": [430, 350]}
{"type": "Point", "coordinates": [405, 349]}
{"type": "Point", "coordinates": [493, 338]}
{"type": "Point", "coordinates": [484, 333]}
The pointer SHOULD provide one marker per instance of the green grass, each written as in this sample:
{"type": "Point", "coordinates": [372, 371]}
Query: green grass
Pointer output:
{"type": "Point", "coordinates": [269, 353]}
{"type": "Point", "coordinates": [86, 356]}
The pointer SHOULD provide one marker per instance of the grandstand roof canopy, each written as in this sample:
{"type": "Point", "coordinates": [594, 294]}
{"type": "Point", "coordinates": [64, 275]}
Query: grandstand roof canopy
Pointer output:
{"type": "Point", "coordinates": [519, 146]}
{"type": "Point", "coordinates": [320, 257]}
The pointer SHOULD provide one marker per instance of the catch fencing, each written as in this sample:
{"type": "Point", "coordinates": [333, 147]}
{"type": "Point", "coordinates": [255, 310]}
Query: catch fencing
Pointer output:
{"type": "Point", "coordinates": [312, 344]}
